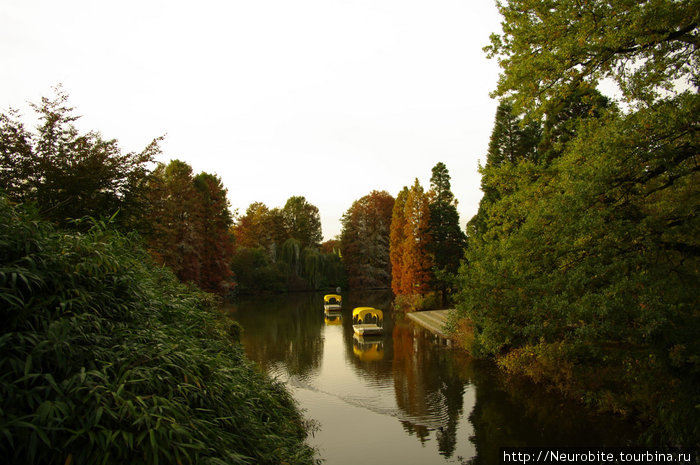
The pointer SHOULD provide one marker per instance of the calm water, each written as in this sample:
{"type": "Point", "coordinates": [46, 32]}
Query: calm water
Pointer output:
{"type": "Point", "coordinates": [401, 398]}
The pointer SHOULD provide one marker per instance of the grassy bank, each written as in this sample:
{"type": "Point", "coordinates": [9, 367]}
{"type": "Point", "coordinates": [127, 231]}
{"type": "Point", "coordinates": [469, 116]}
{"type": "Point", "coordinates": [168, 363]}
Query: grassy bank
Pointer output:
{"type": "Point", "coordinates": [108, 359]}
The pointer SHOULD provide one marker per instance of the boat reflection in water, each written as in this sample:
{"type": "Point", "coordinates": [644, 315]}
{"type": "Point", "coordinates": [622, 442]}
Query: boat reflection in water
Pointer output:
{"type": "Point", "coordinates": [368, 348]}
{"type": "Point", "coordinates": [405, 399]}
{"type": "Point", "coordinates": [333, 319]}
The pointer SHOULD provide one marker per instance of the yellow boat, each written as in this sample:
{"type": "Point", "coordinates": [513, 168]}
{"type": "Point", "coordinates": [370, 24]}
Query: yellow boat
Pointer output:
{"type": "Point", "coordinates": [367, 320]}
{"type": "Point", "coordinates": [332, 303]}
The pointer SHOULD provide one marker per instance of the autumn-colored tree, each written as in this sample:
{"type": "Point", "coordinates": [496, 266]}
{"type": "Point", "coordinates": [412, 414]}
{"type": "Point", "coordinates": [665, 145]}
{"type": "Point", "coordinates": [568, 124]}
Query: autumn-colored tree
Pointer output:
{"type": "Point", "coordinates": [331, 246]}
{"type": "Point", "coordinates": [365, 241]}
{"type": "Point", "coordinates": [216, 242]}
{"type": "Point", "coordinates": [173, 235]}
{"type": "Point", "coordinates": [189, 225]}
{"type": "Point", "coordinates": [396, 241]}
{"type": "Point", "coordinates": [417, 262]}
{"type": "Point", "coordinates": [277, 249]}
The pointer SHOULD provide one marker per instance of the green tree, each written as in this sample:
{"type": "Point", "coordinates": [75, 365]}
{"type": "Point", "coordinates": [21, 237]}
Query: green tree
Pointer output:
{"type": "Point", "coordinates": [510, 144]}
{"type": "Point", "coordinates": [302, 221]}
{"type": "Point", "coordinates": [590, 259]}
{"type": "Point", "coordinates": [548, 49]}
{"type": "Point", "coordinates": [69, 175]}
{"type": "Point", "coordinates": [447, 238]}
{"type": "Point", "coordinates": [365, 241]}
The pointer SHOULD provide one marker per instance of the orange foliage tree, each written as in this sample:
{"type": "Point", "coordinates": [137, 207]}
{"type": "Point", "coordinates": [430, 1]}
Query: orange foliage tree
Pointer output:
{"type": "Point", "coordinates": [416, 274]}
{"type": "Point", "coordinates": [188, 225]}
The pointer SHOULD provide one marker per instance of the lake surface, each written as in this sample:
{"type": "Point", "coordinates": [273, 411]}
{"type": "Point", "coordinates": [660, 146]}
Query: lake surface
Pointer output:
{"type": "Point", "coordinates": [401, 398]}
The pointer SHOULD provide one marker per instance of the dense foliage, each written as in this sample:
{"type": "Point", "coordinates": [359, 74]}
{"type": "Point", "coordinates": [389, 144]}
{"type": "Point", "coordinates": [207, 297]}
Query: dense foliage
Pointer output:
{"type": "Point", "coordinates": [278, 250]}
{"type": "Point", "coordinates": [582, 263]}
{"type": "Point", "coordinates": [365, 241]}
{"type": "Point", "coordinates": [426, 243]}
{"type": "Point", "coordinates": [67, 174]}
{"type": "Point", "coordinates": [107, 359]}
{"type": "Point", "coordinates": [187, 225]}
{"type": "Point", "coordinates": [415, 270]}
{"type": "Point", "coordinates": [447, 238]}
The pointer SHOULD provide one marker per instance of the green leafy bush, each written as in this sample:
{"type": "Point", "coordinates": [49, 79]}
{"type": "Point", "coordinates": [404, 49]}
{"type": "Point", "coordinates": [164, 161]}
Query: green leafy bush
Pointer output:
{"type": "Point", "coordinates": [107, 359]}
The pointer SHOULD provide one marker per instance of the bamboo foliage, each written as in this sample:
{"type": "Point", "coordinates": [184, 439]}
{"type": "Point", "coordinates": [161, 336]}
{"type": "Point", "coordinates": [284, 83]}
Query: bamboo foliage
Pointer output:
{"type": "Point", "coordinates": [106, 358]}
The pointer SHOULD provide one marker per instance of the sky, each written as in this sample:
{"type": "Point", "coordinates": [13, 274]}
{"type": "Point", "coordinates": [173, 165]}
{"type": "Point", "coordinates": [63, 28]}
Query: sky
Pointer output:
{"type": "Point", "coordinates": [327, 99]}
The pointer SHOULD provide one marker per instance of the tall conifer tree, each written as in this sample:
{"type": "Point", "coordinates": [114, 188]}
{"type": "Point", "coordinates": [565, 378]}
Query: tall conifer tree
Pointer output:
{"type": "Point", "coordinates": [417, 262]}
{"type": "Point", "coordinates": [447, 238]}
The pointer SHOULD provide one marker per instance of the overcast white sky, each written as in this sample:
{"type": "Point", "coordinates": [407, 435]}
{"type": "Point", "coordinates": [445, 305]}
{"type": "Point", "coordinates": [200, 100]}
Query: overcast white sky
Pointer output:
{"type": "Point", "coordinates": [329, 99]}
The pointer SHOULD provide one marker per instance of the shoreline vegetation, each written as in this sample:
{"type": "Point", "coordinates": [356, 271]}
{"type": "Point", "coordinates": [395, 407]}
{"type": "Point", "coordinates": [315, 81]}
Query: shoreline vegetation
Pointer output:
{"type": "Point", "coordinates": [579, 271]}
{"type": "Point", "coordinates": [108, 358]}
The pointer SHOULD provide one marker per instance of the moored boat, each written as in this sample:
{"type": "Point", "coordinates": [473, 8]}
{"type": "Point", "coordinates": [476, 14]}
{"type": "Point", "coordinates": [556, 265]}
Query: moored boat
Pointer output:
{"type": "Point", "coordinates": [332, 303]}
{"type": "Point", "coordinates": [367, 320]}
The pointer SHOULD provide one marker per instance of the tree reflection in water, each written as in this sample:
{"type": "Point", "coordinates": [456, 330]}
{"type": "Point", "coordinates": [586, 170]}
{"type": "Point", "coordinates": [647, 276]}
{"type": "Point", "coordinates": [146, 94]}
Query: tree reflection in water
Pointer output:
{"type": "Point", "coordinates": [463, 410]}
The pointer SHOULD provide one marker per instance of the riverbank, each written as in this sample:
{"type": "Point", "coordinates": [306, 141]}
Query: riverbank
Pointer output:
{"type": "Point", "coordinates": [109, 359]}
{"type": "Point", "coordinates": [621, 379]}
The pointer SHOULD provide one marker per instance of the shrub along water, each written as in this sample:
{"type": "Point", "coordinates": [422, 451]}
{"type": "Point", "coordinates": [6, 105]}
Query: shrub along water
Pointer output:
{"type": "Point", "coordinates": [106, 358]}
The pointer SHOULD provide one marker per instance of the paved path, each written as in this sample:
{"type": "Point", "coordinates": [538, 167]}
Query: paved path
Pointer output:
{"type": "Point", "coordinates": [432, 320]}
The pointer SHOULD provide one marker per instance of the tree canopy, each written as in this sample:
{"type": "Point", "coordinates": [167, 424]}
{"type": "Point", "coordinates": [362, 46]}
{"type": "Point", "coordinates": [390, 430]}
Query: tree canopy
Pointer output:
{"type": "Point", "coordinates": [447, 238]}
{"type": "Point", "coordinates": [584, 253]}
{"type": "Point", "coordinates": [302, 221]}
{"type": "Point", "coordinates": [365, 241]}
{"type": "Point", "coordinates": [188, 225]}
{"type": "Point", "coordinates": [69, 175]}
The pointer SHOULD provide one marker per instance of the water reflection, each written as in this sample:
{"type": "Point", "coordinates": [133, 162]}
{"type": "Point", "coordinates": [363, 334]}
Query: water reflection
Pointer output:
{"type": "Point", "coordinates": [429, 389]}
{"type": "Point", "coordinates": [405, 399]}
{"type": "Point", "coordinates": [284, 331]}
{"type": "Point", "coordinates": [368, 348]}
{"type": "Point", "coordinates": [332, 319]}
